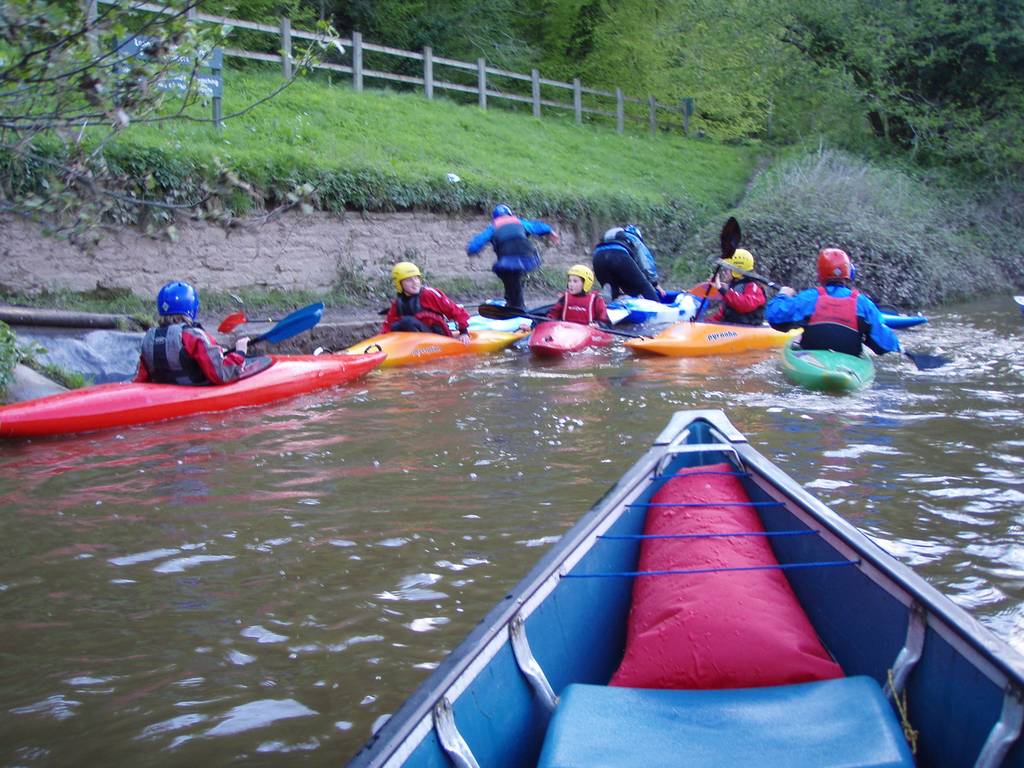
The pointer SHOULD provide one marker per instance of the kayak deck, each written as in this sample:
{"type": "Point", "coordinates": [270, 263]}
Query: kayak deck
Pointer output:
{"type": "Point", "coordinates": [124, 404]}
{"type": "Point", "coordinates": [557, 337]}
{"type": "Point", "coordinates": [688, 339]}
{"type": "Point", "coordinates": [825, 370]}
{"type": "Point", "coordinates": [405, 348]}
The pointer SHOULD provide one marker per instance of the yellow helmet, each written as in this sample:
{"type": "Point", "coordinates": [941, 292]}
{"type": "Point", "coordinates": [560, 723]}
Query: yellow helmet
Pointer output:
{"type": "Point", "coordinates": [402, 271]}
{"type": "Point", "coordinates": [584, 273]}
{"type": "Point", "coordinates": [741, 259]}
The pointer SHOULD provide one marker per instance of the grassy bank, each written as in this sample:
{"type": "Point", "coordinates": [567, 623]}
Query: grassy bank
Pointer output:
{"type": "Point", "coordinates": [382, 150]}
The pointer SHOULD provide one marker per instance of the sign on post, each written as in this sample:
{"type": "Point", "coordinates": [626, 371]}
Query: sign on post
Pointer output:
{"type": "Point", "coordinates": [208, 83]}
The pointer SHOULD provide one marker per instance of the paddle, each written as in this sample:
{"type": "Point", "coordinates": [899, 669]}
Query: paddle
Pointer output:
{"type": "Point", "coordinates": [291, 325]}
{"type": "Point", "coordinates": [496, 312]}
{"type": "Point", "coordinates": [729, 241]}
{"type": "Point", "coordinates": [752, 275]}
{"type": "Point", "coordinates": [232, 321]}
{"type": "Point", "coordinates": [235, 319]}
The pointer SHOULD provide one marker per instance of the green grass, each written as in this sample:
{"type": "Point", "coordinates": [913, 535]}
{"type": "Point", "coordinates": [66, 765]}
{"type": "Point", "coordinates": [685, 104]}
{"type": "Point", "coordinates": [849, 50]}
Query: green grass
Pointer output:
{"type": "Point", "coordinates": [383, 150]}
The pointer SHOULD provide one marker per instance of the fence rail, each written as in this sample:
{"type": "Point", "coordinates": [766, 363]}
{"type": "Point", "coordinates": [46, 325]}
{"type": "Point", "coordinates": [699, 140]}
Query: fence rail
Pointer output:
{"type": "Point", "coordinates": [614, 105]}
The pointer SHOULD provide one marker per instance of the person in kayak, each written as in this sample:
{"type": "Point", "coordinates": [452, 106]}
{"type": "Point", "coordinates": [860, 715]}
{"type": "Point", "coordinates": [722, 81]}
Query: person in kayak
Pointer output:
{"type": "Point", "coordinates": [618, 263]}
{"type": "Point", "coordinates": [516, 254]}
{"type": "Point", "coordinates": [179, 351]}
{"type": "Point", "coordinates": [835, 315]}
{"type": "Point", "coordinates": [579, 304]}
{"type": "Point", "coordinates": [421, 309]}
{"type": "Point", "coordinates": [743, 300]}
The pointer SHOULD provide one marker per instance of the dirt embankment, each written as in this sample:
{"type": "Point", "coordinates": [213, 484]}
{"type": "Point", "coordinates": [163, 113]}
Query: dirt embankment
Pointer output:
{"type": "Point", "coordinates": [317, 252]}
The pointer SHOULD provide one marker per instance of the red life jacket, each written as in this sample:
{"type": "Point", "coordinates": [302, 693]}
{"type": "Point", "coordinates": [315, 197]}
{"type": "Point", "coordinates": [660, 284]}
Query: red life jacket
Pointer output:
{"type": "Point", "coordinates": [578, 307]}
{"type": "Point", "coordinates": [833, 324]}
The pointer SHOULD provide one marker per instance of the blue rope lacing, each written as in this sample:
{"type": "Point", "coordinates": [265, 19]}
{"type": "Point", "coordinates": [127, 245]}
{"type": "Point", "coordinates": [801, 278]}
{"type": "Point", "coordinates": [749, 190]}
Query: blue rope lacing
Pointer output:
{"type": "Point", "coordinates": [694, 571]}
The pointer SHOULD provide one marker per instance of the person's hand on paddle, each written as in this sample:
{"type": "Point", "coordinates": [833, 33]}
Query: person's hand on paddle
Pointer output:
{"type": "Point", "coordinates": [464, 337]}
{"type": "Point", "coordinates": [553, 237]}
{"type": "Point", "coordinates": [242, 345]}
{"type": "Point", "coordinates": [787, 291]}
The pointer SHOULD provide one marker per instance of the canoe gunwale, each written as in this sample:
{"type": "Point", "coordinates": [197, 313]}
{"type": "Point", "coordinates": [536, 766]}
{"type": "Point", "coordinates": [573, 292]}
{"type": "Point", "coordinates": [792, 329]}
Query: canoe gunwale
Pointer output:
{"type": "Point", "coordinates": [403, 734]}
{"type": "Point", "coordinates": [955, 625]}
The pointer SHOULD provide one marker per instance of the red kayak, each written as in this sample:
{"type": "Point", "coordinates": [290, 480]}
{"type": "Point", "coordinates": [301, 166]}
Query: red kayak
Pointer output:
{"type": "Point", "coordinates": [126, 403]}
{"type": "Point", "coordinates": [557, 337]}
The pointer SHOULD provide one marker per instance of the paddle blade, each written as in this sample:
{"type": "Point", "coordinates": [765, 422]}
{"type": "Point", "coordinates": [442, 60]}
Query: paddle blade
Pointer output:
{"type": "Point", "coordinates": [298, 321]}
{"type": "Point", "coordinates": [499, 312]}
{"type": "Point", "coordinates": [926, 362]}
{"type": "Point", "coordinates": [232, 321]}
{"type": "Point", "coordinates": [730, 237]}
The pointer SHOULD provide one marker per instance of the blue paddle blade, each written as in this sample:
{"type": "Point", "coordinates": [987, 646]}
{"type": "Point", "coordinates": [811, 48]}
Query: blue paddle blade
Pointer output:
{"type": "Point", "coordinates": [298, 321]}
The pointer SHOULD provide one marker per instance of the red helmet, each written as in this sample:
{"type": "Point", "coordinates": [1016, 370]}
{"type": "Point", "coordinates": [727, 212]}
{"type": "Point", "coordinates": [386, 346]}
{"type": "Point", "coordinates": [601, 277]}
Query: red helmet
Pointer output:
{"type": "Point", "coordinates": [833, 264]}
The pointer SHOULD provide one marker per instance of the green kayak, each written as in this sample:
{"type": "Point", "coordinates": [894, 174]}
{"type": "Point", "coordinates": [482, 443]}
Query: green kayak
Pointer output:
{"type": "Point", "coordinates": [825, 370]}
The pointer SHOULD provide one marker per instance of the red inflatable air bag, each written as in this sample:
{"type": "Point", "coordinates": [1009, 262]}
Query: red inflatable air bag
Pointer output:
{"type": "Point", "coordinates": [740, 629]}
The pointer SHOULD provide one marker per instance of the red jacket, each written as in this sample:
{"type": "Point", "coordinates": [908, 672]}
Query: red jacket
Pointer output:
{"type": "Point", "coordinates": [218, 367]}
{"type": "Point", "coordinates": [750, 298]}
{"type": "Point", "coordinates": [583, 308]}
{"type": "Point", "coordinates": [436, 310]}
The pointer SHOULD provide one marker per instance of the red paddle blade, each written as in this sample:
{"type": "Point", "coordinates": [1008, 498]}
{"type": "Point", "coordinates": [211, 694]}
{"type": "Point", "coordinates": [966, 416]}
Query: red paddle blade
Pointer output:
{"type": "Point", "coordinates": [232, 321]}
{"type": "Point", "coordinates": [703, 290]}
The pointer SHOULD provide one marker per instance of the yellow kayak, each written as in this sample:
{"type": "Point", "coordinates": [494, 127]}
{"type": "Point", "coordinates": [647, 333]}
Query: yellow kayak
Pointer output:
{"type": "Point", "coordinates": [406, 348]}
{"type": "Point", "coordinates": [693, 339]}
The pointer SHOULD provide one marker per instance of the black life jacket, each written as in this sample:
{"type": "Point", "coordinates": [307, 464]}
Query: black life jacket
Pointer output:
{"type": "Point", "coordinates": [510, 238]}
{"type": "Point", "coordinates": [730, 315]}
{"type": "Point", "coordinates": [166, 359]}
{"type": "Point", "coordinates": [410, 306]}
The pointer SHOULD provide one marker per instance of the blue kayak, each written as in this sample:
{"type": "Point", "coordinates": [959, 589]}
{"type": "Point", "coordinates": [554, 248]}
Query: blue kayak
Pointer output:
{"type": "Point", "coordinates": [903, 321]}
{"type": "Point", "coordinates": [707, 611]}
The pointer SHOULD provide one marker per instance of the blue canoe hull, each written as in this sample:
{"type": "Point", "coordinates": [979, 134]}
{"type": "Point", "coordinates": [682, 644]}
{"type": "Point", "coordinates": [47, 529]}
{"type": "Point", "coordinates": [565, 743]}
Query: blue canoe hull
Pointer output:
{"type": "Point", "coordinates": [903, 321]}
{"type": "Point", "coordinates": [494, 700]}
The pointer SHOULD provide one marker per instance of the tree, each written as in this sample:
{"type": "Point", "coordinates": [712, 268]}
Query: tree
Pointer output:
{"type": "Point", "coordinates": [67, 89]}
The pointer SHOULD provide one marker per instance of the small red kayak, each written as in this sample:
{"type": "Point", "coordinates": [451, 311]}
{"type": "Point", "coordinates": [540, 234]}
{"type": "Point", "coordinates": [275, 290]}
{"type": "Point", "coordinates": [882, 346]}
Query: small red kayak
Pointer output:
{"type": "Point", "coordinates": [557, 337]}
{"type": "Point", "coordinates": [125, 403]}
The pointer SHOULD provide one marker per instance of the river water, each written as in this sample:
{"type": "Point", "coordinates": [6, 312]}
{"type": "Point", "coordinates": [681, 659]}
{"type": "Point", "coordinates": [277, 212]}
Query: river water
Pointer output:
{"type": "Point", "coordinates": [262, 586]}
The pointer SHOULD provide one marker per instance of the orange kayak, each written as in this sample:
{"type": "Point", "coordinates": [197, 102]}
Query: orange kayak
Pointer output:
{"type": "Point", "coordinates": [695, 339]}
{"type": "Point", "coordinates": [404, 348]}
{"type": "Point", "coordinates": [122, 404]}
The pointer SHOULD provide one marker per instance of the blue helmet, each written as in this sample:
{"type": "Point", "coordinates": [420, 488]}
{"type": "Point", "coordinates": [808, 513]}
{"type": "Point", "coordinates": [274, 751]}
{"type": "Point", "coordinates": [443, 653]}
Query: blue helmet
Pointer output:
{"type": "Point", "coordinates": [633, 229]}
{"type": "Point", "coordinates": [178, 298]}
{"type": "Point", "coordinates": [501, 210]}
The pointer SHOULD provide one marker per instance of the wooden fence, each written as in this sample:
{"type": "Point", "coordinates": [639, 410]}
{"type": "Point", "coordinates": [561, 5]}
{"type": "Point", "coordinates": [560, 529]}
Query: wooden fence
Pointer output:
{"type": "Point", "coordinates": [590, 102]}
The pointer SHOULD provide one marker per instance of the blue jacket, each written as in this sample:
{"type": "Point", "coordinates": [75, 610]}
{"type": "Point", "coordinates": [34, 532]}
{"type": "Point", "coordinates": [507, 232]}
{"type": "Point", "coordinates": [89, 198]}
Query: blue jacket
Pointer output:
{"type": "Point", "coordinates": [644, 258]}
{"type": "Point", "coordinates": [481, 239]}
{"type": "Point", "coordinates": [785, 312]}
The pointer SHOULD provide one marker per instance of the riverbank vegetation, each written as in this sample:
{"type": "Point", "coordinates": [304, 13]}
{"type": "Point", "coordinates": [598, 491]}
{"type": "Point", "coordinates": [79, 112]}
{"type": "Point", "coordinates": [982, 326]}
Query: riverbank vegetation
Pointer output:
{"type": "Point", "coordinates": [892, 130]}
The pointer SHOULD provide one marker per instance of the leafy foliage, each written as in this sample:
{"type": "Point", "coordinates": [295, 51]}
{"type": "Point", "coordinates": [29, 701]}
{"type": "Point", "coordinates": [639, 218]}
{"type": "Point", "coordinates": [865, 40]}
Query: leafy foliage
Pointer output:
{"type": "Point", "coordinates": [68, 90]}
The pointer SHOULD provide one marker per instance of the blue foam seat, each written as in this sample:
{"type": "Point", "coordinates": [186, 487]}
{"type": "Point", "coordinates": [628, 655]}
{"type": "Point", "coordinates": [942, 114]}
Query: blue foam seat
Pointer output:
{"type": "Point", "coordinates": [829, 724]}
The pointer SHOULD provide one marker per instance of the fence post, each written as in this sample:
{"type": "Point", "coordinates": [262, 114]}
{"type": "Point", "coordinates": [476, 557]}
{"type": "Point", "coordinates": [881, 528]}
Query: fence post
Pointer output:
{"type": "Point", "coordinates": [535, 83]}
{"type": "Point", "coordinates": [481, 81]}
{"type": "Point", "coordinates": [652, 115]}
{"type": "Point", "coordinates": [577, 100]}
{"type": "Point", "coordinates": [217, 72]}
{"type": "Point", "coordinates": [428, 71]}
{"type": "Point", "coordinates": [286, 47]}
{"type": "Point", "coordinates": [619, 111]}
{"type": "Point", "coordinates": [687, 111]}
{"type": "Point", "coordinates": [90, 21]}
{"type": "Point", "coordinates": [357, 61]}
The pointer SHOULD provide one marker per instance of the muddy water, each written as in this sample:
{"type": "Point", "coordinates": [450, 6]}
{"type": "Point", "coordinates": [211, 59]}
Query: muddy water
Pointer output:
{"type": "Point", "coordinates": [264, 585]}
